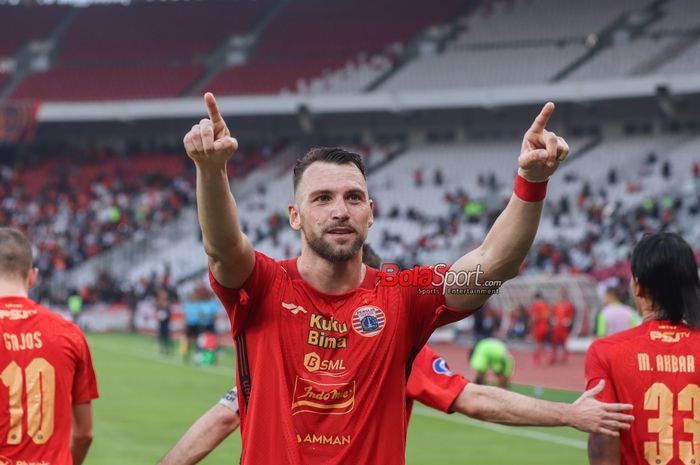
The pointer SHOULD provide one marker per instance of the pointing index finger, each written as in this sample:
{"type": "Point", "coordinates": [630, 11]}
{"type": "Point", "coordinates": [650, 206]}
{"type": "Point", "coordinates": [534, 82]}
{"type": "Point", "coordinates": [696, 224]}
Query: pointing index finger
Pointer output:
{"type": "Point", "coordinates": [213, 109]}
{"type": "Point", "coordinates": [541, 121]}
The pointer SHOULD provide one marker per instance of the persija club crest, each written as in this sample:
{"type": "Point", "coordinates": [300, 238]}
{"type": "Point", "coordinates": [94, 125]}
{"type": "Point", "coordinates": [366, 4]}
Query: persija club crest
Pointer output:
{"type": "Point", "coordinates": [368, 321]}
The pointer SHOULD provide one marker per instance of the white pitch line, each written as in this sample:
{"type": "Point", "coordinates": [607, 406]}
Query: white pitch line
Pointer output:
{"type": "Point", "coordinates": [510, 430]}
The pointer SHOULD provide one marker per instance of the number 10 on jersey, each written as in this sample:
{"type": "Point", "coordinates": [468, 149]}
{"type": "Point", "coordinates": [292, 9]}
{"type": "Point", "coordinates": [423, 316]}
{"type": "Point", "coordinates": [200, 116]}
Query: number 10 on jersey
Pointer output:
{"type": "Point", "coordinates": [39, 381]}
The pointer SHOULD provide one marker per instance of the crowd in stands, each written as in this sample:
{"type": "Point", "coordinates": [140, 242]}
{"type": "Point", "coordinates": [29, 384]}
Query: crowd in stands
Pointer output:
{"type": "Point", "coordinates": [74, 209]}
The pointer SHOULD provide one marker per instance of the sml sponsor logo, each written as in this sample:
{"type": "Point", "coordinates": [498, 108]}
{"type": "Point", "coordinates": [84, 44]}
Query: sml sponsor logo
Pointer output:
{"type": "Point", "coordinates": [328, 333]}
{"type": "Point", "coordinates": [315, 364]}
{"type": "Point", "coordinates": [325, 440]}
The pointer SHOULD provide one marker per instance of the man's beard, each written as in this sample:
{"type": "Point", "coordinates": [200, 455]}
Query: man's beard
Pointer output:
{"type": "Point", "coordinates": [325, 250]}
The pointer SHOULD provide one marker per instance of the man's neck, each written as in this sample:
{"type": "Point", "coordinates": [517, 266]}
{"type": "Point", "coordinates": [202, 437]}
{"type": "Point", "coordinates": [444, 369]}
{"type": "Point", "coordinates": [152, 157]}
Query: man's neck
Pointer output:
{"type": "Point", "coordinates": [647, 312]}
{"type": "Point", "coordinates": [12, 290]}
{"type": "Point", "coordinates": [328, 277]}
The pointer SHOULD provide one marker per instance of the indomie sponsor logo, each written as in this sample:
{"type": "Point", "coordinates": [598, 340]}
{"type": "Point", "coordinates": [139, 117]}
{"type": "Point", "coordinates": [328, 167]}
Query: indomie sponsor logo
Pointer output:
{"type": "Point", "coordinates": [323, 398]}
{"type": "Point", "coordinates": [320, 329]}
{"type": "Point", "coordinates": [333, 440]}
{"type": "Point", "coordinates": [313, 362]}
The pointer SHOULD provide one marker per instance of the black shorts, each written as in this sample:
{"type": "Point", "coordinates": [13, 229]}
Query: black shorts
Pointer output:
{"type": "Point", "coordinates": [192, 331]}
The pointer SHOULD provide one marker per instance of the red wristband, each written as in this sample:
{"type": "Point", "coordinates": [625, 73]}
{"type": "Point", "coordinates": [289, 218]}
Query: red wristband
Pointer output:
{"type": "Point", "coordinates": [529, 191]}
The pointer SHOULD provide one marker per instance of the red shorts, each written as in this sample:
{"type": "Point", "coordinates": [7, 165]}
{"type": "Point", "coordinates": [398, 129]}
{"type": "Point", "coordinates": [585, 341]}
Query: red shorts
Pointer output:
{"type": "Point", "coordinates": [539, 333]}
{"type": "Point", "coordinates": [560, 334]}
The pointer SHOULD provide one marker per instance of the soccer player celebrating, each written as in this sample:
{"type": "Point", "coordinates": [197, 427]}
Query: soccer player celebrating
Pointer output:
{"type": "Point", "coordinates": [654, 366]}
{"type": "Point", "coordinates": [46, 377]}
{"type": "Point", "coordinates": [432, 383]}
{"type": "Point", "coordinates": [319, 354]}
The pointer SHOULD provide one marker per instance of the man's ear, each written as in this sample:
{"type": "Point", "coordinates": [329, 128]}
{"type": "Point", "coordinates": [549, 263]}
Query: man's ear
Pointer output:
{"type": "Point", "coordinates": [294, 216]}
{"type": "Point", "coordinates": [371, 215]}
{"type": "Point", "coordinates": [637, 289]}
{"type": "Point", "coordinates": [33, 277]}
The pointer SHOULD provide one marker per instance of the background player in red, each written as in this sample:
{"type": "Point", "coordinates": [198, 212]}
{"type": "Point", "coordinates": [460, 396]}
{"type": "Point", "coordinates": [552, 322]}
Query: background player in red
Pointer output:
{"type": "Point", "coordinates": [46, 375]}
{"type": "Point", "coordinates": [318, 351]}
{"type": "Point", "coordinates": [539, 317]}
{"type": "Point", "coordinates": [655, 365]}
{"type": "Point", "coordinates": [563, 313]}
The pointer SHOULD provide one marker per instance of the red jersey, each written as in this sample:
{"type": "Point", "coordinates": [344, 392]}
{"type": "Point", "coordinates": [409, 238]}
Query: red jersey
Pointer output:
{"type": "Point", "coordinates": [45, 368]}
{"type": "Point", "coordinates": [540, 314]}
{"type": "Point", "coordinates": [322, 377]}
{"type": "Point", "coordinates": [432, 383]}
{"type": "Point", "coordinates": [563, 314]}
{"type": "Point", "coordinates": [653, 367]}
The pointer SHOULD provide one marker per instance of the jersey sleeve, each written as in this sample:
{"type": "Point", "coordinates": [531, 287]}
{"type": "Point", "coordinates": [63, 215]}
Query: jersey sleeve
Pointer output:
{"type": "Point", "coordinates": [432, 383]}
{"type": "Point", "coordinates": [427, 306]}
{"type": "Point", "coordinates": [84, 380]}
{"type": "Point", "coordinates": [596, 370]}
{"type": "Point", "coordinates": [239, 303]}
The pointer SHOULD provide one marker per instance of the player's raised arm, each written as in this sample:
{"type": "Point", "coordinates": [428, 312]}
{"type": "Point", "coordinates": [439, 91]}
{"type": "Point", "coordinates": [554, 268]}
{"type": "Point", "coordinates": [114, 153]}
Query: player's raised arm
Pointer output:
{"type": "Point", "coordinates": [209, 144]}
{"type": "Point", "coordinates": [499, 257]}
{"type": "Point", "coordinates": [501, 406]}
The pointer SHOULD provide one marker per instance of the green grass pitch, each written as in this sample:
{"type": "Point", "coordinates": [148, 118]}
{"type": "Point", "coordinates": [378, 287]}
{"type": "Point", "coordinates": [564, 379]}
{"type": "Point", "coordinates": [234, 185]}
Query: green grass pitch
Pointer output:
{"type": "Point", "coordinates": [148, 401]}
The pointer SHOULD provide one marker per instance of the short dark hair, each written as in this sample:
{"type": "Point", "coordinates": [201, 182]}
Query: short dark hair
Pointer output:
{"type": "Point", "coordinates": [15, 253]}
{"type": "Point", "coordinates": [665, 265]}
{"type": "Point", "coordinates": [336, 155]}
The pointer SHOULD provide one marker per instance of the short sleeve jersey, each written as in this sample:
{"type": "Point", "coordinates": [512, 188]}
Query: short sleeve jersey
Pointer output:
{"type": "Point", "coordinates": [45, 369]}
{"type": "Point", "coordinates": [432, 383]}
{"type": "Point", "coordinates": [563, 314]}
{"type": "Point", "coordinates": [540, 314]}
{"type": "Point", "coordinates": [655, 368]}
{"type": "Point", "coordinates": [322, 377]}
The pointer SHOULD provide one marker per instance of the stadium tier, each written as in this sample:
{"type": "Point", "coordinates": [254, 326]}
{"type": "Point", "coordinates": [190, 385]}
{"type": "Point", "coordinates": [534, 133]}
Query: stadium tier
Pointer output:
{"type": "Point", "coordinates": [308, 39]}
{"type": "Point", "coordinates": [105, 82]}
{"type": "Point", "coordinates": [22, 25]}
{"type": "Point", "coordinates": [270, 47]}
